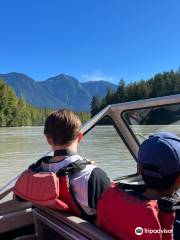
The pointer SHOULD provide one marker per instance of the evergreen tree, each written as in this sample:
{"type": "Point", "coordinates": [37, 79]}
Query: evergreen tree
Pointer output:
{"type": "Point", "coordinates": [121, 93]}
{"type": "Point", "coordinates": [109, 96]}
{"type": "Point", "coordinates": [95, 105]}
{"type": "Point", "coordinates": [161, 84]}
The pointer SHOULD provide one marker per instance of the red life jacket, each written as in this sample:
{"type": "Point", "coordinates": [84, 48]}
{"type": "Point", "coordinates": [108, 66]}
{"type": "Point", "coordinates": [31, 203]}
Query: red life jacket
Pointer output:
{"type": "Point", "coordinates": [50, 189]}
{"type": "Point", "coordinates": [120, 213]}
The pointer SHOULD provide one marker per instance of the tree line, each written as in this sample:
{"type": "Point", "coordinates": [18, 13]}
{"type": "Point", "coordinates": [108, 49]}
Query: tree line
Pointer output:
{"type": "Point", "coordinates": [15, 112]}
{"type": "Point", "coordinates": [162, 84]}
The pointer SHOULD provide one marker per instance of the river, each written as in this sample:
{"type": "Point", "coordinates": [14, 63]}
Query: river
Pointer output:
{"type": "Point", "coordinates": [19, 147]}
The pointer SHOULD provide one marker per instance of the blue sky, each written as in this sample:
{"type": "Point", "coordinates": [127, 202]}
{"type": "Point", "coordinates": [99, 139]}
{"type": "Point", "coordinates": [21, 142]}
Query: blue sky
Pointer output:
{"type": "Point", "coordinates": [90, 39]}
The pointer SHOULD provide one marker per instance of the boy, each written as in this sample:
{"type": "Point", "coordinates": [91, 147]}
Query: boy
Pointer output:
{"type": "Point", "coordinates": [131, 214]}
{"type": "Point", "coordinates": [81, 183]}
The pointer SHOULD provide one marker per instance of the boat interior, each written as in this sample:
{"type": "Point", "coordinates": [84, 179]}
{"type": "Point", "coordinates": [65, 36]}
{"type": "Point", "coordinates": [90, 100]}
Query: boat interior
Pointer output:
{"type": "Point", "coordinates": [21, 220]}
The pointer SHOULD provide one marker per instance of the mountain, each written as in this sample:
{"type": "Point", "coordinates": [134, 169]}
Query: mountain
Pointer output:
{"type": "Point", "coordinates": [69, 90]}
{"type": "Point", "coordinates": [26, 87]}
{"type": "Point", "coordinates": [57, 92]}
{"type": "Point", "coordinates": [98, 87]}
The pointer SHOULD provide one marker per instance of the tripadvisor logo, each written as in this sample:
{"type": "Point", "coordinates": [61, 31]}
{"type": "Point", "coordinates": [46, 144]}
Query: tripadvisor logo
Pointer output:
{"type": "Point", "coordinates": [139, 231]}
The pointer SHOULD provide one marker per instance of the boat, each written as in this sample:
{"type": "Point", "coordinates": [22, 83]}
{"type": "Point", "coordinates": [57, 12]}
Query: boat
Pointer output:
{"type": "Point", "coordinates": [21, 220]}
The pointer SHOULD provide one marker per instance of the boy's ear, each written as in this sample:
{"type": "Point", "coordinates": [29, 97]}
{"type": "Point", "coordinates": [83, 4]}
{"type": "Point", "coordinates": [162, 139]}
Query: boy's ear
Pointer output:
{"type": "Point", "coordinates": [79, 136]}
{"type": "Point", "coordinates": [49, 139]}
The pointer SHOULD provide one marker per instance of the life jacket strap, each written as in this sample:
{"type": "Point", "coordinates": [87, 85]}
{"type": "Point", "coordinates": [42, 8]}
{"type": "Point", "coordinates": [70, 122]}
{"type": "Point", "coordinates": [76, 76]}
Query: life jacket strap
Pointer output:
{"type": "Point", "coordinates": [36, 167]}
{"type": "Point", "coordinates": [84, 215]}
{"type": "Point", "coordinates": [169, 204]}
{"type": "Point", "coordinates": [73, 167]}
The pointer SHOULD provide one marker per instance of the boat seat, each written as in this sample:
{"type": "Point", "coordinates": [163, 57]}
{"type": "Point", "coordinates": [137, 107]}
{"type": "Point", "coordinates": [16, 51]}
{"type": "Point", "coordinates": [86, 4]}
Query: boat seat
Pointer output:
{"type": "Point", "coordinates": [65, 226]}
{"type": "Point", "coordinates": [15, 214]}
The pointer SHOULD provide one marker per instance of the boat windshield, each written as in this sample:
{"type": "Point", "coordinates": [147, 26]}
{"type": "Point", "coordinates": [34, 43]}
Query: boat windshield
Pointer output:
{"type": "Point", "coordinates": [145, 121]}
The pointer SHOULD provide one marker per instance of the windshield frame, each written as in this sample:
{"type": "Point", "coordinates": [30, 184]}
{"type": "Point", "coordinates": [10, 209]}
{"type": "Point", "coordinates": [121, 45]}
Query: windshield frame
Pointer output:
{"type": "Point", "coordinates": [134, 109]}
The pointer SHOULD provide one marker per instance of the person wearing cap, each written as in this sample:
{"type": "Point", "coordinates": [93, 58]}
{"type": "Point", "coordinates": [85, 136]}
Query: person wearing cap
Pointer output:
{"type": "Point", "coordinates": [147, 212]}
